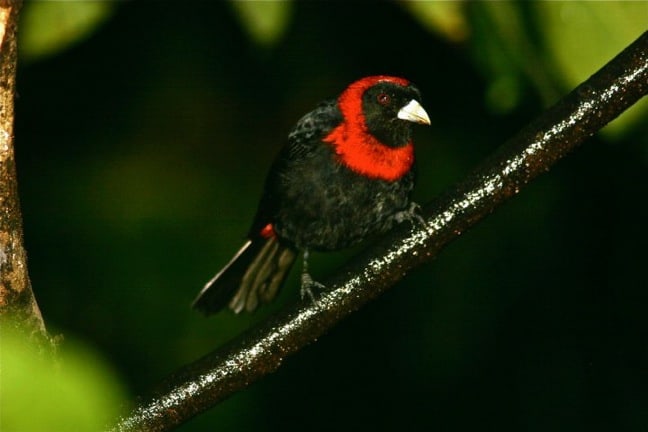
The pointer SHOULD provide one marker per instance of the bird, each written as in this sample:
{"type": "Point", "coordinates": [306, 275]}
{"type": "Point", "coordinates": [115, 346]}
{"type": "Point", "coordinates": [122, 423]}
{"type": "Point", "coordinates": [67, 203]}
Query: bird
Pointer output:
{"type": "Point", "coordinates": [345, 174]}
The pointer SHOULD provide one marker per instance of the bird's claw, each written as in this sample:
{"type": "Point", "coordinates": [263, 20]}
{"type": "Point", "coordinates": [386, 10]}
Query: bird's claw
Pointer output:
{"type": "Point", "coordinates": [412, 214]}
{"type": "Point", "coordinates": [307, 286]}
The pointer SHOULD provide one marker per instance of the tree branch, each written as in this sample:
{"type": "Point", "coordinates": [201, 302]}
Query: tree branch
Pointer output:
{"type": "Point", "coordinates": [17, 300]}
{"type": "Point", "coordinates": [576, 117]}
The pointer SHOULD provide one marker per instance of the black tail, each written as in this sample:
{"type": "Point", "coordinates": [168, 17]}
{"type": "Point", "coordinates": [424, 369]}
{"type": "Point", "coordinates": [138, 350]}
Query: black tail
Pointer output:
{"type": "Point", "coordinates": [253, 275]}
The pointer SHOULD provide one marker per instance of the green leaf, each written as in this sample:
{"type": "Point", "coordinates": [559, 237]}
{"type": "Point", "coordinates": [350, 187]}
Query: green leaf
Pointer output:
{"type": "Point", "coordinates": [76, 392]}
{"type": "Point", "coordinates": [265, 21]}
{"type": "Point", "coordinates": [48, 27]}
{"type": "Point", "coordinates": [581, 37]}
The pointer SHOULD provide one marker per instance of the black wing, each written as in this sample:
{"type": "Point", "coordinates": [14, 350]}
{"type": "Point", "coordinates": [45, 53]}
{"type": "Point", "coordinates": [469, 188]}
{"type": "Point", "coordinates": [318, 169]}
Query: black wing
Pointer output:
{"type": "Point", "coordinates": [303, 140]}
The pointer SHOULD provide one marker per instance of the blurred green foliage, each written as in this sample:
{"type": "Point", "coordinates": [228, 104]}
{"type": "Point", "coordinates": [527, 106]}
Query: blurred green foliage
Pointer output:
{"type": "Point", "coordinates": [265, 21]}
{"type": "Point", "coordinates": [74, 391]}
{"type": "Point", "coordinates": [580, 36]}
{"type": "Point", "coordinates": [446, 18]}
{"type": "Point", "coordinates": [571, 41]}
{"type": "Point", "coordinates": [142, 148]}
{"type": "Point", "coordinates": [52, 26]}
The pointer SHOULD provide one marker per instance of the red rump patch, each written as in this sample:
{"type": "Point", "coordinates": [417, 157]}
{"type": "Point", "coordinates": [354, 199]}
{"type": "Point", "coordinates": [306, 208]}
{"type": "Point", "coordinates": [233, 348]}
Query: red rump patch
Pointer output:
{"type": "Point", "coordinates": [356, 147]}
{"type": "Point", "coordinates": [267, 231]}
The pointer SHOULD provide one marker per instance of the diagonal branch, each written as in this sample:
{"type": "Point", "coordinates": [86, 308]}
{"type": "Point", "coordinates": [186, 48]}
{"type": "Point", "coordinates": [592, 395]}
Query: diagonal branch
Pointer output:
{"type": "Point", "coordinates": [534, 150]}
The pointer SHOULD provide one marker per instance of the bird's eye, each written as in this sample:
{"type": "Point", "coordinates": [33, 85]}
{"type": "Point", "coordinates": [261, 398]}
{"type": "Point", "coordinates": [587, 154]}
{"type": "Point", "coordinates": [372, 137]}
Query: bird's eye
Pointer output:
{"type": "Point", "coordinates": [383, 99]}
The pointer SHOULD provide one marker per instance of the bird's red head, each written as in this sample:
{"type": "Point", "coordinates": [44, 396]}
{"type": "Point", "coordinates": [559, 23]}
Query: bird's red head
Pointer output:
{"type": "Point", "coordinates": [374, 136]}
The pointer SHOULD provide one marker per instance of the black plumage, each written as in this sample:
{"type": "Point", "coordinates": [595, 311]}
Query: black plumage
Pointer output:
{"type": "Point", "coordinates": [345, 174]}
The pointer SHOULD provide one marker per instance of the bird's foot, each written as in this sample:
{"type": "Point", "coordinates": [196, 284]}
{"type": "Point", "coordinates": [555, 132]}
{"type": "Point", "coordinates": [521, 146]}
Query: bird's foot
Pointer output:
{"type": "Point", "coordinates": [308, 285]}
{"type": "Point", "coordinates": [411, 214]}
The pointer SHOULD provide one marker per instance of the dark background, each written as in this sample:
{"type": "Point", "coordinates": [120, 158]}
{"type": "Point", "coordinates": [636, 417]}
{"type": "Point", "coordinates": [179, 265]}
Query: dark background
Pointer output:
{"type": "Point", "coordinates": [141, 153]}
